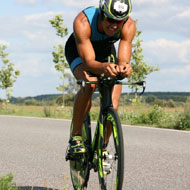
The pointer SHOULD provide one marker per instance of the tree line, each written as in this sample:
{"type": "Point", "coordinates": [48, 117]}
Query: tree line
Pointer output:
{"type": "Point", "coordinates": [163, 99]}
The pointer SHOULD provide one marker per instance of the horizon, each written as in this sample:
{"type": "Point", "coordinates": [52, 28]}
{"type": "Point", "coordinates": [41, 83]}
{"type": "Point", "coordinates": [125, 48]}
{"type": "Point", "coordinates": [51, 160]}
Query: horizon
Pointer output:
{"type": "Point", "coordinates": [97, 93]}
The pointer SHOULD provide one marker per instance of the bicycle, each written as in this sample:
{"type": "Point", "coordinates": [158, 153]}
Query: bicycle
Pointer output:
{"type": "Point", "coordinates": [81, 165]}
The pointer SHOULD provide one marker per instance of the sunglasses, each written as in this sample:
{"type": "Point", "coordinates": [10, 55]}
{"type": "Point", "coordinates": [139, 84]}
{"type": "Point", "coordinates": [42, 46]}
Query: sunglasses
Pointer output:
{"type": "Point", "coordinates": [112, 21]}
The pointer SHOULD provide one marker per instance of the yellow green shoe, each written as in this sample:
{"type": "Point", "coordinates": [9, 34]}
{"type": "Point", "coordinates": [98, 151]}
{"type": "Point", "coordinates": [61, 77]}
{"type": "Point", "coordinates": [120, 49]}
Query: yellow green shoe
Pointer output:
{"type": "Point", "coordinates": [76, 145]}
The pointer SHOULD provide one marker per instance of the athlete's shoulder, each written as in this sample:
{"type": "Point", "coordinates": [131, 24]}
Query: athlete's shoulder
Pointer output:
{"type": "Point", "coordinates": [81, 26]}
{"type": "Point", "coordinates": [130, 24]}
{"type": "Point", "coordinates": [129, 28]}
{"type": "Point", "coordinates": [81, 20]}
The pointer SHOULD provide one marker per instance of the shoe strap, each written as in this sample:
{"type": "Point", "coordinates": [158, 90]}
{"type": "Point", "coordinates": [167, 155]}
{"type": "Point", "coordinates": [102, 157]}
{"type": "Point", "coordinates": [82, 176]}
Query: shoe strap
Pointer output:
{"type": "Point", "coordinates": [75, 138]}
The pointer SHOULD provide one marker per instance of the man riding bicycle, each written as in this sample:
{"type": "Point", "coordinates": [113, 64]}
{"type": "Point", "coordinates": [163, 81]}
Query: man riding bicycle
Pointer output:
{"type": "Point", "coordinates": [96, 29]}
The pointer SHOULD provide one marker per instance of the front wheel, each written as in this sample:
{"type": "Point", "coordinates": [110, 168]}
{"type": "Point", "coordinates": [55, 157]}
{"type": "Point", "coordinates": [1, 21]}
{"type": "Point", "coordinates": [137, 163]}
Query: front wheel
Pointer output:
{"type": "Point", "coordinates": [79, 165]}
{"type": "Point", "coordinates": [111, 152]}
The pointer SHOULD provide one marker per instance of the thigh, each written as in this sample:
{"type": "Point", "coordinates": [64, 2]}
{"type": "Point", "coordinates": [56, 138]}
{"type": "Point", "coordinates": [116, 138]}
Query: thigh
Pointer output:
{"type": "Point", "coordinates": [116, 95]}
{"type": "Point", "coordinates": [81, 74]}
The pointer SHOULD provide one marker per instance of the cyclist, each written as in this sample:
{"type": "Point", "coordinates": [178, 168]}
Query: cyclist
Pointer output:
{"type": "Point", "coordinates": [96, 29]}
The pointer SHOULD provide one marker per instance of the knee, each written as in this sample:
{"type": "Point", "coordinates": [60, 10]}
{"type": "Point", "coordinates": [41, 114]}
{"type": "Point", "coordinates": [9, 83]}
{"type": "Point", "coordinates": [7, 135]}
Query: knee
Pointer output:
{"type": "Point", "coordinates": [115, 104]}
{"type": "Point", "coordinates": [89, 89]}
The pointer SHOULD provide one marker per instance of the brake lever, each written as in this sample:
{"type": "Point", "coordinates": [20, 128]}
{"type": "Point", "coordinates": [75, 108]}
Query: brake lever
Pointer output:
{"type": "Point", "coordinates": [143, 84]}
{"type": "Point", "coordinates": [81, 83]}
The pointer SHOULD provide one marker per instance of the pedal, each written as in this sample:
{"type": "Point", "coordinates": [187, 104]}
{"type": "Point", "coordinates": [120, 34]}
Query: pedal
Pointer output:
{"type": "Point", "coordinates": [68, 155]}
{"type": "Point", "coordinates": [107, 168]}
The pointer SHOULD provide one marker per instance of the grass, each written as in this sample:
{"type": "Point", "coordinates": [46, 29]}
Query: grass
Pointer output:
{"type": "Point", "coordinates": [37, 111]}
{"type": "Point", "coordinates": [154, 116]}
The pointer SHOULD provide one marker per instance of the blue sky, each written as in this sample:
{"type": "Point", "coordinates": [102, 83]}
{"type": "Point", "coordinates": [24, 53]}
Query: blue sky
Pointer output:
{"type": "Point", "coordinates": [30, 39]}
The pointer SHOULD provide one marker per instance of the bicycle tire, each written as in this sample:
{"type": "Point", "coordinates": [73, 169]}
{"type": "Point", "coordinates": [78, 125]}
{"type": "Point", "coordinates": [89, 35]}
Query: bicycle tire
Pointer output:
{"type": "Point", "coordinates": [79, 166]}
{"type": "Point", "coordinates": [115, 147]}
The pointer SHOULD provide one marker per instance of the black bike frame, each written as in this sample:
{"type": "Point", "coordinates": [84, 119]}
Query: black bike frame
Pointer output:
{"type": "Point", "coordinates": [105, 88]}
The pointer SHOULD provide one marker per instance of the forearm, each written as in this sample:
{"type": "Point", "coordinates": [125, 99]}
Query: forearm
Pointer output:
{"type": "Point", "coordinates": [124, 63]}
{"type": "Point", "coordinates": [96, 67]}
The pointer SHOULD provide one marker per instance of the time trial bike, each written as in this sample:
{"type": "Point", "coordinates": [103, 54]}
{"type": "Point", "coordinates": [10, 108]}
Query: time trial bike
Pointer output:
{"type": "Point", "coordinates": [108, 126]}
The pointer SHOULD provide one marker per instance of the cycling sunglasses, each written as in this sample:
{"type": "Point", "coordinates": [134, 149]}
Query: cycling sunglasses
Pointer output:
{"type": "Point", "coordinates": [112, 21]}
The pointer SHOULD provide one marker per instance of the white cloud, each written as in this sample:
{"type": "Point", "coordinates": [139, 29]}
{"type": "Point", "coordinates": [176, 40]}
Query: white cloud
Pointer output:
{"type": "Point", "coordinates": [81, 4]}
{"type": "Point", "coordinates": [71, 3]}
{"type": "Point", "coordinates": [154, 2]}
{"type": "Point", "coordinates": [167, 51]}
{"type": "Point", "coordinates": [182, 71]}
{"type": "Point", "coordinates": [40, 16]}
{"type": "Point", "coordinates": [184, 14]}
{"type": "Point", "coordinates": [160, 16]}
{"type": "Point", "coordinates": [31, 43]}
{"type": "Point", "coordinates": [34, 65]}
{"type": "Point", "coordinates": [26, 2]}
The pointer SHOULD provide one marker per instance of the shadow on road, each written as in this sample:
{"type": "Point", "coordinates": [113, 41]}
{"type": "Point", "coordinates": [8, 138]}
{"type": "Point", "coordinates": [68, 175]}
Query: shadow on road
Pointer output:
{"type": "Point", "coordinates": [34, 188]}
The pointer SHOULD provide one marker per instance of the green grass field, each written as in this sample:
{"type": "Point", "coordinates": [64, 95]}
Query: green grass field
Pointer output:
{"type": "Point", "coordinates": [144, 114]}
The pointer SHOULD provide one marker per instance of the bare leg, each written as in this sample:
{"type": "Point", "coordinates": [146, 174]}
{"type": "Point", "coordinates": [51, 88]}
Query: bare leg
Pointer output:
{"type": "Point", "coordinates": [81, 107]}
{"type": "Point", "coordinates": [82, 102]}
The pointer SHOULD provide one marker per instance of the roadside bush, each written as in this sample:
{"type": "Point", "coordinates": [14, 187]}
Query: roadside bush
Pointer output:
{"type": "Point", "coordinates": [47, 111]}
{"type": "Point", "coordinates": [153, 117]}
{"type": "Point", "coordinates": [49, 102]}
{"type": "Point", "coordinates": [139, 118]}
{"type": "Point", "coordinates": [165, 103]}
{"type": "Point", "coordinates": [59, 101]}
{"type": "Point", "coordinates": [159, 102]}
{"type": "Point", "coordinates": [183, 122]}
{"type": "Point", "coordinates": [32, 102]}
{"type": "Point", "coordinates": [156, 115]}
{"type": "Point", "coordinates": [170, 103]}
{"type": "Point", "coordinates": [6, 183]}
{"type": "Point", "coordinates": [69, 100]}
{"type": "Point", "coordinates": [179, 104]}
{"type": "Point", "coordinates": [150, 99]}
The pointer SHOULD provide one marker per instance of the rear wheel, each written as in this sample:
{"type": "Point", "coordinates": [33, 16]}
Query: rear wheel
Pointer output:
{"type": "Point", "coordinates": [111, 174]}
{"type": "Point", "coordinates": [79, 165]}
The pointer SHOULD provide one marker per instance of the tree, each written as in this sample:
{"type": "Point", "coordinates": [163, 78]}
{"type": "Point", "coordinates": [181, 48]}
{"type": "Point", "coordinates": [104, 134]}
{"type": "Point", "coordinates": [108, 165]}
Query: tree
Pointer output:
{"type": "Point", "coordinates": [8, 74]}
{"type": "Point", "coordinates": [59, 55]}
{"type": "Point", "coordinates": [73, 86]}
{"type": "Point", "coordinates": [140, 68]}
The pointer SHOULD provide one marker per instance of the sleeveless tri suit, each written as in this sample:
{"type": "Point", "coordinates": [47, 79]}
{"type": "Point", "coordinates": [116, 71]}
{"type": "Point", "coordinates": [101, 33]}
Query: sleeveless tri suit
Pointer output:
{"type": "Point", "coordinates": [103, 45]}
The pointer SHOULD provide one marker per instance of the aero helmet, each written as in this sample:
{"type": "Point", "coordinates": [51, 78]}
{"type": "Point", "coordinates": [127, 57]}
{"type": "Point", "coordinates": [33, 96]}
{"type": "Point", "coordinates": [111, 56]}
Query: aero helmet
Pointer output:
{"type": "Point", "coordinates": [116, 9]}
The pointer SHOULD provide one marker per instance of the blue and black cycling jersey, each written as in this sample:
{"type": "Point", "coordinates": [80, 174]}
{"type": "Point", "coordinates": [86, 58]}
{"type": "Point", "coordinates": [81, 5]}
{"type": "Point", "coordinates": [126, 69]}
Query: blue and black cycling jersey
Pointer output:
{"type": "Point", "coordinates": [103, 45]}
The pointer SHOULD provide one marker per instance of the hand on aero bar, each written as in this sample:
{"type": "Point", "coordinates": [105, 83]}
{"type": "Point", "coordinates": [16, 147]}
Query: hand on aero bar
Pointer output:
{"type": "Point", "coordinates": [125, 70]}
{"type": "Point", "coordinates": [122, 69]}
{"type": "Point", "coordinates": [111, 70]}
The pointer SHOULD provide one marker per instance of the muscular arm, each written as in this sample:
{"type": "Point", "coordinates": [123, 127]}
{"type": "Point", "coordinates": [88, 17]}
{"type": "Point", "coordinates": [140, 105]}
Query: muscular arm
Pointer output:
{"type": "Point", "coordinates": [125, 46]}
{"type": "Point", "coordinates": [82, 33]}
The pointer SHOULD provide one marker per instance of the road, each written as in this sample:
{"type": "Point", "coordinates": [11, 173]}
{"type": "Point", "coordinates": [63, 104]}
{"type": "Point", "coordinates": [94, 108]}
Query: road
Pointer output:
{"type": "Point", "coordinates": [33, 149]}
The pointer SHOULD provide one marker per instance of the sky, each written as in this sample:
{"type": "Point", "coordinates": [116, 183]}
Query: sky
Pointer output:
{"type": "Point", "coordinates": [30, 38]}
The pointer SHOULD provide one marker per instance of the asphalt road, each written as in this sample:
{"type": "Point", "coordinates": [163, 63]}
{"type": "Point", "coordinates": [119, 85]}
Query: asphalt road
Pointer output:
{"type": "Point", "coordinates": [33, 149]}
